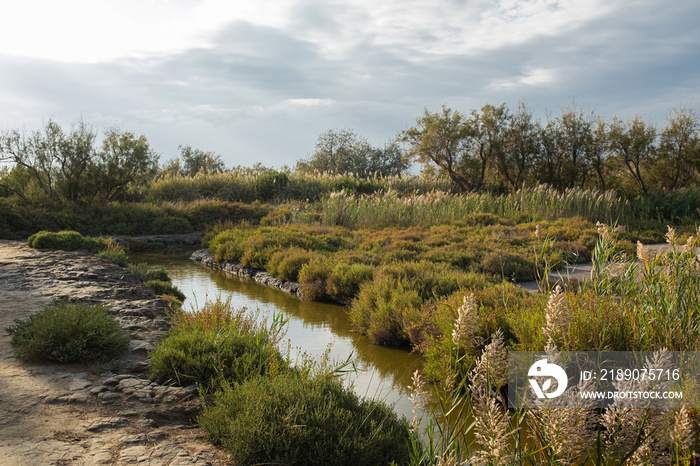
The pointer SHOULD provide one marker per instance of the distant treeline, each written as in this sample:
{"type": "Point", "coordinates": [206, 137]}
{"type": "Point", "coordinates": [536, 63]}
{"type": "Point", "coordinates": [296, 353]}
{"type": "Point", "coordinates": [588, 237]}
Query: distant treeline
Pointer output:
{"type": "Point", "coordinates": [491, 149]}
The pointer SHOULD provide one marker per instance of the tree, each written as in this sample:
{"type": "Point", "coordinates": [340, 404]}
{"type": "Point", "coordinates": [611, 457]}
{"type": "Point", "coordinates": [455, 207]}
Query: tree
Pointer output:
{"type": "Point", "coordinates": [193, 161]}
{"type": "Point", "coordinates": [520, 148]}
{"type": "Point", "coordinates": [56, 164]}
{"type": "Point", "coordinates": [567, 148]}
{"type": "Point", "coordinates": [446, 139]}
{"type": "Point", "coordinates": [679, 149]}
{"type": "Point", "coordinates": [633, 144]}
{"type": "Point", "coordinates": [124, 159]}
{"type": "Point", "coordinates": [488, 127]}
{"type": "Point", "coordinates": [343, 151]}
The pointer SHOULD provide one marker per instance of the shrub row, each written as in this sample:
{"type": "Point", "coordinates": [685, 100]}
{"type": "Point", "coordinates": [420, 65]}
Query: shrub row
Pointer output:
{"type": "Point", "coordinates": [263, 410]}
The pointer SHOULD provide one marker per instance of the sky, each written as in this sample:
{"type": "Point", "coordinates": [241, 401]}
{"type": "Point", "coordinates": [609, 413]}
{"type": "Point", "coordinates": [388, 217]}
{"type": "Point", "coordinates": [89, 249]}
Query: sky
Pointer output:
{"type": "Point", "coordinates": [258, 82]}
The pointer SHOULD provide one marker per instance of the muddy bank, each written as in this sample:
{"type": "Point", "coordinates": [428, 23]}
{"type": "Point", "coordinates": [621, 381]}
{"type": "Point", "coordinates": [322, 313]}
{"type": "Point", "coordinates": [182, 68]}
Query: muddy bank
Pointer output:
{"type": "Point", "coordinates": [260, 276]}
{"type": "Point", "coordinates": [73, 414]}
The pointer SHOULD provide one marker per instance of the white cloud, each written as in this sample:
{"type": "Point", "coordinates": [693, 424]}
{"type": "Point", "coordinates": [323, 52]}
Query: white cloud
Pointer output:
{"type": "Point", "coordinates": [530, 77]}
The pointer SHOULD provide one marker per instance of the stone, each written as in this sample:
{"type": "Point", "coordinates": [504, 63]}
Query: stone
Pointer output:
{"type": "Point", "coordinates": [96, 390]}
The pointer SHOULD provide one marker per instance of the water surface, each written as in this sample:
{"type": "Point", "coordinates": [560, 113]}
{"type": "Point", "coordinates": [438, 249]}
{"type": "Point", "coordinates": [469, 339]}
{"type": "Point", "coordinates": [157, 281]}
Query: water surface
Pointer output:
{"type": "Point", "coordinates": [384, 373]}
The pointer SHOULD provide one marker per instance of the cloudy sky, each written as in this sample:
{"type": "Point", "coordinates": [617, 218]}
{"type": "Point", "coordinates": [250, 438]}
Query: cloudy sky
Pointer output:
{"type": "Point", "coordinates": [259, 81]}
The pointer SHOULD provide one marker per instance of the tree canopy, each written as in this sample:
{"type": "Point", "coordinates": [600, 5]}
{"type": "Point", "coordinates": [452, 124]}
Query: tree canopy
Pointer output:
{"type": "Point", "coordinates": [344, 152]}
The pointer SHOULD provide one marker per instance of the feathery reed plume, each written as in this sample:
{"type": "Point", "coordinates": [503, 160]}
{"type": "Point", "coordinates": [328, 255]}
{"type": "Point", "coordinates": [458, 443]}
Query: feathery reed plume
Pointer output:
{"type": "Point", "coordinates": [419, 398]}
{"type": "Point", "coordinates": [466, 324]}
{"type": "Point", "coordinates": [558, 317]}
{"type": "Point", "coordinates": [490, 370]}
{"type": "Point", "coordinates": [670, 236]}
{"type": "Point", "coordinates": [538, 231]}
{"type": "Point", "coordinates": [682, 435]}
{"type": "Point", "coordinates": [642, 253]}
{"type": "Point", "coordinates": [603, 230]}
{"type": "Point", "coordinates": [492, 431]}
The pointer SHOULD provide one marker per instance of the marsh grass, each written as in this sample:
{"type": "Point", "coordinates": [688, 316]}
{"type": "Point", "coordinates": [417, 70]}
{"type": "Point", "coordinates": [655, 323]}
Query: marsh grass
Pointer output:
{"type": "Point", "coordinates": [640, 305]}
{"type": "Point", "coordinates": [68, 332]}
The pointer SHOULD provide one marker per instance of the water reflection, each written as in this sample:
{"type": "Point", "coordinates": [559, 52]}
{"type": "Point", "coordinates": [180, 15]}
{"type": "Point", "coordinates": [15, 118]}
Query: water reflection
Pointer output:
{"type": "Point", "coordinates": [385, 373]}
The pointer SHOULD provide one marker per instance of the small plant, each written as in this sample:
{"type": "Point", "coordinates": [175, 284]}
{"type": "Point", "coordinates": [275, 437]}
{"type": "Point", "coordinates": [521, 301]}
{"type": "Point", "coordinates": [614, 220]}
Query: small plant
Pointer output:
{"type": "Point", "coordinates": [68, 332]}
{"type": "Point", "coordinates": [216, 345]}
{"type": "Point", "coordinates": [165, 288]}
{"type": "Point", "coordinates": [295, 419]}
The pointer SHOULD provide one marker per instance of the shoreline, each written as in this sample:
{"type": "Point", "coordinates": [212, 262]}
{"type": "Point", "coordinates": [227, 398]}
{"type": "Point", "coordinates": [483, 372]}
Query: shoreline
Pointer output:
{"type": "Point", "coordinates": [207, 259]}
{"type": "Point", "coordinates": [86, 414]}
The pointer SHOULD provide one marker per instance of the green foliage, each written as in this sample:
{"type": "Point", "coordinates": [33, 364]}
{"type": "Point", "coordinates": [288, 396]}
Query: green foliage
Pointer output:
{"type": "Point", "coordinates": [115, 254]}
{"type": "Point", "coordinates": [161, 287]}
{"type": "Point", "coordinates": [313, 278]}
{"type": "Point", "coordinates": [269, 184]}
{"type": "Point", "coordinates": [215, 345]}
{"type": "Point", "coordinates": [65, 240]}
{"type": "Point", "coordinates": [343, 151]}
{"type": "Point", "coordinates": [193, 161]}
{"type": "Point", "coordinates": [106, 248]}
{"type": "Point", "coordinates": [345, 280]}
{"type": "Point", "coordinates": [144, 273]}
{"type": "Point", "coordinates": [388, 308]}
{"type": "Point", "coordinates": [296, 420]}
{"type": "Point", "coordinates": [287, 263]}
{"type": "Point", "coordinates": [68, 332]}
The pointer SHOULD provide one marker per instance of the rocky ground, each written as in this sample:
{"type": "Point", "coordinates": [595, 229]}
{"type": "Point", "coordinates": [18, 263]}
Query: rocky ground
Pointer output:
{"type": "Point", "coordinates": [72, 414]}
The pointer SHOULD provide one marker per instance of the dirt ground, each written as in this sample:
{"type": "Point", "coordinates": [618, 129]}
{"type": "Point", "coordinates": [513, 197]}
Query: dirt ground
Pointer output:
{"type": "Point", "coordinates": [73, 414]}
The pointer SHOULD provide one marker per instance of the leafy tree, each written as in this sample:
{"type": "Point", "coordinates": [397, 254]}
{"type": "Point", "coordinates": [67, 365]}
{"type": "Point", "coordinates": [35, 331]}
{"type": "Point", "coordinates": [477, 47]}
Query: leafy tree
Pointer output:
{"type": "Point", "coordinates": [50, 164]}
{"type": "Point", "coordinates": [520, 148]}
{"type": "Point", "coordinates": [598, 153]}
{"type": "Point", "coordinates": [124, 159]}
{"type": "Point", "coordinates": [343, 151]}
{"type": "Point", "coordinates": [679, 149]}
{"type": "Point", "coordinates": [446, 139]}
{"type": "Point", "coordinates": [567, 150]}
{"type": "Point", "coordinates": [633, 144]}
{"type": "Point", "coordinates": [193, 161]}
{"type": "Point", "coordinates": [488, 128]}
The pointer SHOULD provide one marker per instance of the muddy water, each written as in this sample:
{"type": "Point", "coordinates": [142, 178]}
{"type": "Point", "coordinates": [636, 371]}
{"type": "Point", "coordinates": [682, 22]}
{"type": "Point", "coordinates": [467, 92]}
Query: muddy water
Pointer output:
{"type": "Point", "coordinates": [383, 374]}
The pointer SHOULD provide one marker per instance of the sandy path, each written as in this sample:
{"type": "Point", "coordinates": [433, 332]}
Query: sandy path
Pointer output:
{"type": "Point", "coordinates": [66, 414]}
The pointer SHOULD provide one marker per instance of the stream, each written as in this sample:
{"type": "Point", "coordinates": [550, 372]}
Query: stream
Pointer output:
{"type": "Point", "coordinates": [383, 373]}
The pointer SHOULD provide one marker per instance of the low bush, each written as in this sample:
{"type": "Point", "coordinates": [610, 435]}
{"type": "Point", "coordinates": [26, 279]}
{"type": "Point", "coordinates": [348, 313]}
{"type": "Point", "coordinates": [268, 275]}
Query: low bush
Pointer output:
{"type": "Point", "coordinates": [144, 273]}
{"type": "Point", "coordinates": [286, 264]}
{"type": "Point", "coordinates": [313, 278]}
{"type": "Point", "coordinates": [215, 345]}
{"type": "Point", "coordinates": [66, 241]}
{"type": "Point", "coordinates": [296, 420]}
{"type": "Point", "coordinates": [161, 287]}
{"type": "Point", "coordinates": [115, 254]}
{"type": "Point", "coordinates": [68, 332]}
{"type": "Point", "coordinates": [345, 280]}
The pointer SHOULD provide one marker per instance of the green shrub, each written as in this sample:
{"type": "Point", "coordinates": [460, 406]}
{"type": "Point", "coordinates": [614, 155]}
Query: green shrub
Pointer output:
{"type": "Point", "coordinates": [509, 265]}
{"type": "Point", "coordinates": [295, 420]}
{"type": "Point", "coordinates": [68, 332]}
{"type": "Point", "coordinates": [228, 245]}
{"type": "Point", "coordinates": [66, 241]}
{"type": "Point", "coordinates": [313, 278]}
{"type": "Point", "coordinates": [344, 282]}
{"type": "Point", "coordinates": [287, 263]}
{"type": "Point", "coordinates": [115, 254]}
{"type": "Point", "coordinates": [144, 273]}
{"type": "Point", "coordinates": [160, 287]}
{"type": "Point", "coordinates": [215, 345]}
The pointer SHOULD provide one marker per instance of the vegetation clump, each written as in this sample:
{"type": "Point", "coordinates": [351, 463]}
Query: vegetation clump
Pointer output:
{"type": "Point", "coordinates": [215, 344]}
{"type": "Point", "coordinates": [68, 332]}
{"type": "Point", "coordinates": [300, 420]}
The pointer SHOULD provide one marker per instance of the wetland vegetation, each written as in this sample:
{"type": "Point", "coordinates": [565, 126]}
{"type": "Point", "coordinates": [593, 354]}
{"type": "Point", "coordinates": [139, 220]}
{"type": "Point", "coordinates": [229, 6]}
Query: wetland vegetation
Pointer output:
{"type": "Point", "coordinates": [429, 262]}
